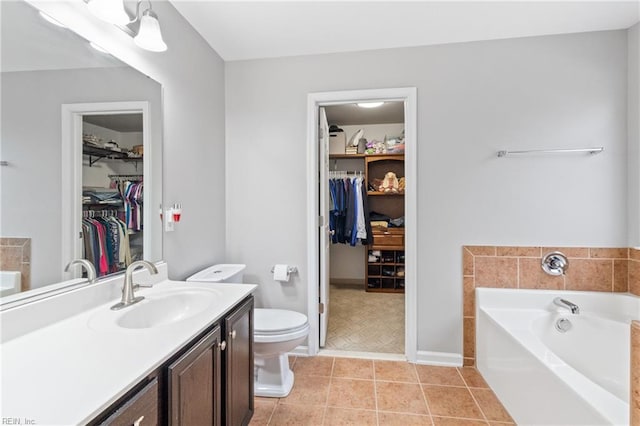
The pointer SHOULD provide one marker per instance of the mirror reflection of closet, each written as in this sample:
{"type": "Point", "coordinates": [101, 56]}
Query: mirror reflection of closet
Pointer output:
{"type": "Point", "coordinates": [112, 191]}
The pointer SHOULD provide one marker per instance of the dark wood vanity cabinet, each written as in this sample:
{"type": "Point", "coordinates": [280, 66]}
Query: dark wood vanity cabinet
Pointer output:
{"type": "Point", "coordinates": [239, 370]}
{"type": "Point", "coordinates": [193, 382]}
{"type": "Point", "coordinates": [208, 382]}
{"type": "Point", "coordinates": [141, 409]}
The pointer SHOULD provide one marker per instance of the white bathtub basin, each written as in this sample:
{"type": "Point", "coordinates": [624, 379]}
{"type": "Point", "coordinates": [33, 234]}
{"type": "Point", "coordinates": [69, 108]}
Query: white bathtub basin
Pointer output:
{"type": "Point", "coordinates": [545, 377]}
{"type": "Point", "coordinates": [9, 282]}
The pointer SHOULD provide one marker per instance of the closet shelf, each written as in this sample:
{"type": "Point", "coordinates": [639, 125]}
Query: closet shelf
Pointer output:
{"type": "Point", "coordinates": [384, 194]}
{"type": "Point", "coordinates": [364, 155]}
{"type": "Point", "coordinates": [96, 153]}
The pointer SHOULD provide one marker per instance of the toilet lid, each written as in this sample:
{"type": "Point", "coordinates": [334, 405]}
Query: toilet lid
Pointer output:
{"type": "Point", "coordinates": [277, 320]}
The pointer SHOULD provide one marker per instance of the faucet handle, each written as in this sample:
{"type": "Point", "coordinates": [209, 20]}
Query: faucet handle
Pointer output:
{"type": "Point", "coordinates": [137, 286]}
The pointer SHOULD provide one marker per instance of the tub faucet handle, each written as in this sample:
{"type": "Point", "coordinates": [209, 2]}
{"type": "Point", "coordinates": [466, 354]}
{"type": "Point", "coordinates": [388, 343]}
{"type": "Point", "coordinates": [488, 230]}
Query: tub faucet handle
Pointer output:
{"type": "Point", "coordinates": [555, 263]}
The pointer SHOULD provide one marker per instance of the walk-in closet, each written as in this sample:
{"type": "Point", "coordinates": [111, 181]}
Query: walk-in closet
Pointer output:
{"type": "Point", "coordinates": [112, 191]}
{"type": "Point", "coordinates": [366, 221]}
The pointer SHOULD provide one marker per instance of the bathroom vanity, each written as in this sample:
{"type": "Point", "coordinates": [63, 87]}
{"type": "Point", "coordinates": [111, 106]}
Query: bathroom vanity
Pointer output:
{"type": "Point", "coordinates": [184, 355]}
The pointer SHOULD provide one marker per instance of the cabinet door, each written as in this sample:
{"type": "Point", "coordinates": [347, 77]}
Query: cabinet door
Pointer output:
{"type": "Point", "coordinates": [140, 410]}
{"type": "Point", "coordinates": [194, 384]}
{"type": "Point", "coordinates": [239, 365]}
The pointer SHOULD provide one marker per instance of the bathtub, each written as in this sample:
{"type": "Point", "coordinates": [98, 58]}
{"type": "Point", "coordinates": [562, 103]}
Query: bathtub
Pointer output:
{"type": "Point", "coordinates": [547, 377]}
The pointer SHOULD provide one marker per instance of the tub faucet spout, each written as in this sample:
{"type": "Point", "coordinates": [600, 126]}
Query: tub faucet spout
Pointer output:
{"type": "Point", "coordinates": [566, 304]}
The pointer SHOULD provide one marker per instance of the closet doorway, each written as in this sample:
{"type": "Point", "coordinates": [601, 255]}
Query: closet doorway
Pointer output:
{"type": "Point", "coordinates": [365, 281]}
{"type": "Point", "coordinates": [366, 210]}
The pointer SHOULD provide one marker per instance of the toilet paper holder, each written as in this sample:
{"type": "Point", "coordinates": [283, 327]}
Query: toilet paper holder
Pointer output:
{"type": "Point", "coordinates": [290, 269]}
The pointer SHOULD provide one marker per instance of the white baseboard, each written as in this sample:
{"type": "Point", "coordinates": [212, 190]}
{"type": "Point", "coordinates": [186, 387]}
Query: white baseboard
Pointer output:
{"type": "Point", "coordinates": [439, 358]}
{"type": "Point", "coordinates": [300, 351]}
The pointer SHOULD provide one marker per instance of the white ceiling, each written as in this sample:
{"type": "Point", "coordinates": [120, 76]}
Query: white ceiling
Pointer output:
{"type": "Point", "coordinates": [124, 123]}
{"type": "Point", "coordinates": [352, 114]}
{"type": "Point", "coordinates": [240, 30]}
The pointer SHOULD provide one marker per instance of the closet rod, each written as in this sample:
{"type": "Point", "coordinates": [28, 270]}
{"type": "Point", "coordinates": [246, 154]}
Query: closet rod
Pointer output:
{"type": "Point", "coordinates": [595, 150]}
{"type": "Point", "coordinates": [334, 173]}
{"type": "Point", "coordinates": [123, 177]}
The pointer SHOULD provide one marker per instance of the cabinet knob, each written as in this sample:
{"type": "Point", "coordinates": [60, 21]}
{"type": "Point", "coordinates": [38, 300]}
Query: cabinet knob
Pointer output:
{"type": "Point", "coordinates": [232, 334]}
{"type": "Point", "coordinates": [223, 345]}
{"type": "Point", "coordinates": [139, 421]}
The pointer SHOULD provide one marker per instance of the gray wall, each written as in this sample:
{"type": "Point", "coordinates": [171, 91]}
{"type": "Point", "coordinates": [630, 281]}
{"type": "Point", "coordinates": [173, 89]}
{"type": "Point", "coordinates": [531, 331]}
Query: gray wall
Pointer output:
{"type": "Point", "coordinates": [564, 91]}
{"type": "Point", "coordinates": [633, 129]}
{"type": "Point", "coordinates": [31, 142]}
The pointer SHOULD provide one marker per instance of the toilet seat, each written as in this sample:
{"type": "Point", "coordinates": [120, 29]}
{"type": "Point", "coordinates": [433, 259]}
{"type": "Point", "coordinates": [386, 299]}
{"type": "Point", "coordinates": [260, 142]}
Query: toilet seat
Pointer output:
{"type": "Point", "coordinates": [277, 325]}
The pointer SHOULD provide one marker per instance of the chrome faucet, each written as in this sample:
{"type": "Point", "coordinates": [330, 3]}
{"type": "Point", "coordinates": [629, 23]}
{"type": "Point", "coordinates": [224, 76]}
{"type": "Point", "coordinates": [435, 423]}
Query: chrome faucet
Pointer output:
{"type": "Point", "coordinates": [566, 304]}
{"type": "Point", "coordinates": [88, 266]}
{"type": "Point", "coordinates": [128, 297]}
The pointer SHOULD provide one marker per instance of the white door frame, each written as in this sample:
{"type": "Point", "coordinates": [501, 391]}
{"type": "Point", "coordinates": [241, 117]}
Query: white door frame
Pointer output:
{"type": "Point", "coordinates": [315, 100]}
{"type": "Point", "coordinates": [71, 150]}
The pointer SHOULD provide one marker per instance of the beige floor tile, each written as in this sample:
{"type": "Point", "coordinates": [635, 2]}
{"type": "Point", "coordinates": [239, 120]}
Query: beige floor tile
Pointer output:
{"type": "Point", "coordinates": [309, 390]}
{"type": "Point", "coordinates": [313, 366]}
{"type": "Point", "coordinates": [472, 377]}
{"type": "Point", "coordinates": [400, 419]}
{"type": "Point", "coordinates": [367, 322]}
{"type": "Point", "coordinates": [449, 401]}
{"type": "Point", "coordinates": [490, 405]}
{"type": "Point", "coordinates": [400, 398]}
{"type": "Point", "coordinates": [395, 371]}
{"type": "Point", "coordinates": [350, 393]}
{"type": "Point", "coordinates": [297, 415]}
{"type": "Point", "coordinates": [432, 375]}
{"type": "Point", "coordinates": [501, 424]}
{"type": "Point", "coordinates": [450, 421]}
{"type": "Point", "coordinates": [263, 409]}
{"type": "Point", "coordinates": [353, 368]}
{"type": "Point", "coordinates": [343, 416]}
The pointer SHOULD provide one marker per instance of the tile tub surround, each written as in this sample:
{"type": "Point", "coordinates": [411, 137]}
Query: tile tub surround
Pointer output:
{"type": "Point", "coordinates": [590, 269]}
{"type": "Point", "coordinates": [339, 391]}
{"type": "Point", "coordinates": [15, 255]}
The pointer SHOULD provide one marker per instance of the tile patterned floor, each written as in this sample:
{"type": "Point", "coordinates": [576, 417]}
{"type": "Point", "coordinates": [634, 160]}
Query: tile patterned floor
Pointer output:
{"type": "Point", "coordinates": [345, 391]}
{"type": "Point", "coordinates": [365, 322]}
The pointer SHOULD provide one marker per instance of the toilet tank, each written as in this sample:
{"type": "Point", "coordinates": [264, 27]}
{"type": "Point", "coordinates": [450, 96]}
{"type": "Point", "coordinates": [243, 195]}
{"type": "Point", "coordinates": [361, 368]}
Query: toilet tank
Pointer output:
{"type": "Point", "coordinates": [225, 273]}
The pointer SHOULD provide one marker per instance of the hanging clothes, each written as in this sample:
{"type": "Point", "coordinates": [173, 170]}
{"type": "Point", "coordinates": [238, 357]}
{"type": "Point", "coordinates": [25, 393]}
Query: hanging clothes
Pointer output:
{"type": "Point", "coordinates": [349, 212]}
{"type": "Point", "coordinates": [132, 194]}
{"type": "Point", "coordinates": [106, 244]}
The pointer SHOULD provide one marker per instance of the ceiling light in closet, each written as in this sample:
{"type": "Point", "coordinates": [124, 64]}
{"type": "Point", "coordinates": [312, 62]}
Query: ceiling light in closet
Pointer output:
{"type": "Point", "coordinates": [370, 104]}
{"type": "Point", "coordinates": [149, 36]}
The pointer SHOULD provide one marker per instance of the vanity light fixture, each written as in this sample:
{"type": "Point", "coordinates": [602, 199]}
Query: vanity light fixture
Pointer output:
{"type": "Point", "coordinates": [370, 104]}
{"type": "Point", "coordinates": [149, 36]}
{"type": "Point", "coordinates": [111, 11]}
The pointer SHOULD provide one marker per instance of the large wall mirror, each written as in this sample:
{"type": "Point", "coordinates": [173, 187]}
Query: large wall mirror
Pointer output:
{"type": "Point", "coordinates": [81, 155]}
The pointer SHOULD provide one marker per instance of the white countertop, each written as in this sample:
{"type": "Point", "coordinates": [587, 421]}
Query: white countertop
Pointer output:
{"type": "Point", "coordinates": [70, 371]}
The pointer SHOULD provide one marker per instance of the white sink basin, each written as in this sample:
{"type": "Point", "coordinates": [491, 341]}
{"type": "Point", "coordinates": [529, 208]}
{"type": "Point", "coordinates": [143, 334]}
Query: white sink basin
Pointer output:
{"type": "Point", "coordinates": [159, 308]}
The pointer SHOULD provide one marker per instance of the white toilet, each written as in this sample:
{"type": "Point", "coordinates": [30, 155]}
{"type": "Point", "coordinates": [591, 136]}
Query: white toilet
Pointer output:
{"type": "Point", "coordinates": [276, 332]}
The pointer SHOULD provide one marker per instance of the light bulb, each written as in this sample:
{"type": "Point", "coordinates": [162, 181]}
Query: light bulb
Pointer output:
{"type": "Point", "coordinates": [370, 104]}
{"type": "Point", "coordinates": [149, 36]}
